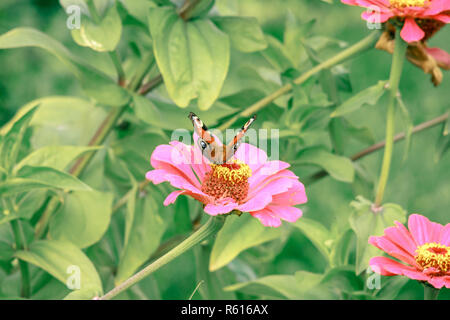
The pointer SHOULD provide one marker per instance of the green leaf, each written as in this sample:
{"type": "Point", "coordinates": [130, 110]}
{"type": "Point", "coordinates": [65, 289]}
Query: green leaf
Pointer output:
{"type": "Point", "coordinates": [244, 32]}
{"type": "Point", "coordinates": [146, 110]}
{"type": "Point", "coordinates": [317, 233]}
{"type": "Point", "coordinates": [56, 122]}
{"type": "Point", "coordinates": [56, 157]}
{"type": "Point", "coordinates": [57, 257]}
{"type": "Point", "coordinates": [168, 116]}
{"type": "Point", "coordinates": [279, 286]}
{"type": "Point", "coordinates": [365, 223]}
{"type": "Point", "coordinates": [52, 177]}
{"type": "Point", "coordinates": [83, 219]}
{"type": "Point", "coordinates": [95, 83]}
{"type": "Point", "coordinates": [103, 36]}
{"type": "Point", "coordinates": [341, 249]}
{"type": "Point", "coordinates": [145, 225]}
{"type": "Point", "coordinates": [294, 35]}
{"type": "Point", "coordinates": [12, 140]}
{"type": "Point", "coordinates": [370, 96]}
{"type": "Point", "coordinates": [391, 287]}
{"type": "Point", "coordinates": [342, 279]}
{"type": "Point", "coordinates": [6, 251]}
{"type": "Point", "coordinates": [193, 57]}
{"type": "Point", "coordinates": [277, 55]}
{"type": "Point", "coordinates": [138, 8]}
{"type": "Point", "coordinates": [238, 234]}
{"type": "Point", "coordinates": [340, 168]}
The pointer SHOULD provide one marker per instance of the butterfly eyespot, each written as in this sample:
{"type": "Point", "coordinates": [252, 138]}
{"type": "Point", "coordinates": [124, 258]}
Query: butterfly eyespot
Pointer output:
{"type": "Point", "coordinates": [202, 144]}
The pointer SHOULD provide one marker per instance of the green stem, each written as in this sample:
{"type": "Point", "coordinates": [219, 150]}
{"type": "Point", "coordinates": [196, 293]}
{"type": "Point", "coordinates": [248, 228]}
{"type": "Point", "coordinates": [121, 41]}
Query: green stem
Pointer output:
{"type": "Point", "coordinates": [98, 138]}
{"type": "Point", "coordinates": [430, 292]}
{"type": "Point", "coordinates": [120, 73]}
{"type": "Point", "coordinates": [212, 226]}
{"type": "Point", "coordinates": [396, 70]}
{"type": "Point", "coordinates": [93, 11]}
{"type": "Point", "coordinates": [145, 66]}
{"type": "Point", "coordinates": [361, 46]}
{"type": "Point", "coordinates": [375, 147]}
{"type": "Point", "coordinates": [21, 245]}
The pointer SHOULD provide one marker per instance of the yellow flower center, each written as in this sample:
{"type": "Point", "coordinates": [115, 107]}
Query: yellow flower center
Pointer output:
{"type": "Point", "coordinates": [228, 180]}
{"type": "Point", "coordinates": [408, 3]}
{"type": "Point", "coordinates": [434, 255]}
{"type": "Point", "coordinates": [232, 172]}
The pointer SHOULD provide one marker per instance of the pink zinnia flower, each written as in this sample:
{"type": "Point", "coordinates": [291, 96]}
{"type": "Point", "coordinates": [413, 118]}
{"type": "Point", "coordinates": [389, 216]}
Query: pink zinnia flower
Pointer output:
{"type": "Point", "coordinates": [425, 250]}
{"type": "Point", "coordinates": [419, 17]}
{"type": "Point", "coordinates": [249, 183]}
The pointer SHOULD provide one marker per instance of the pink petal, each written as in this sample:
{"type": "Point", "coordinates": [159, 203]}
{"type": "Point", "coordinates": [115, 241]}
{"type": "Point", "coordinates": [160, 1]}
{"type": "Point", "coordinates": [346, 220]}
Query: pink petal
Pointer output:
{"type": "Point", "coordinates": [401, 237]}
{"type": "Point", "coordinates": [160, 175]}
{"type": "Point", "coordinates": [251, 155]}
{"type": "Point", "coordinates": [445, 18]}
{"type": "Point", "coordinates": [173, 161]}
{"type": "Point", "coordinates": [389, 267]}
{"type": "Point", "coordinates": [392, 249]}
{"type": "Point", "coordinates": [422, 230]}
{"type": "Point", "coordinates": [377, 16]}
{"type": "Point", "coordinates": [267, 170]}
{"type": "Point", "coordinates": [221, 206]}
{"type": "Point", "coordinates": [194, 158]}
{"type": "Point", "coordinates": [293, 196]}
{"type": "Point", "coordinates": [373, 3]}
{"type": "Point", "coordinates": [445, 235]}
{"type": "Point", "coordinates": [441, 56]}
{"type": "Point", "coordinates": [287, 213]}
{"type": "Point", "coordinates": [437, 6]}
{"type": "Point", "coordinates": [271, 183]}
{"type": "Point", "coordinates": [260, 197]}
{"type": "Point", "coordinates": [439, 282]}
{"type": "Point", "coordinates": [411, 31]}
{"type": "Point", "coordinates": [258, 202]}
{"type": "Point", "coordinates": [267, 218]}
{"type": "Point", "coordinates": [173, 196]}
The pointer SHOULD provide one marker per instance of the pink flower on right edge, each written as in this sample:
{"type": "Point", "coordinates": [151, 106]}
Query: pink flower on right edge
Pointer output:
{"type": "Point", "coordinates": [424, 249]}
{"type": "Point", "coordinates": [419, 20]}
{"type": "Point", "coordinates": [416, 15]}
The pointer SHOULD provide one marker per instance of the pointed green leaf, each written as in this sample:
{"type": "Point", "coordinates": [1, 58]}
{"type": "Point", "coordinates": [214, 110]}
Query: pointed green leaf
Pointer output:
{"type": "Point", "coordinates": [62, 260]}
{"type": "Point", "coordinates": [244, 32]}
{"type": "Point", "coordinates": [52, 177]}
{"type": "Point", "coordinates": [146, 223]}
{"type": "Point", "coordinates": [370, 96]}
{"type": "Point", "coordinates": [279, 286]}
{"type": "Point", "coordinates": [317, 233]}
{"type": "Point", "coordinates": [12, 140]}
{"type": "Point", "coordinates": [83, 218]}
{"type": "Point", "coordinates": [340, 168]}
{"type": "Point", "coordinates": [100, 37]}
{"type": "Point", "coordinates": [56, 157]}
{"type": "Point", "coordinates": [193, 56]}
{"type": "Point", "coordinates": [365, 223]}
{"type": "Point", "coordinates": [238, 234]}
{"type": "Point", "coordinates": [95, 83]}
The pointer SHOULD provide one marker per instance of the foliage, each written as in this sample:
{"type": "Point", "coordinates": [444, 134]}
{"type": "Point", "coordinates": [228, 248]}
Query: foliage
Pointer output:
{"type": "Point", "coordinates": [73, 160]}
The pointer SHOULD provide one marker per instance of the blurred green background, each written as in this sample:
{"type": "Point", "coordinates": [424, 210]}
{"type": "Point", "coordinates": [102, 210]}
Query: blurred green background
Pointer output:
{"type": "Point", "coordinates": [419, 184]}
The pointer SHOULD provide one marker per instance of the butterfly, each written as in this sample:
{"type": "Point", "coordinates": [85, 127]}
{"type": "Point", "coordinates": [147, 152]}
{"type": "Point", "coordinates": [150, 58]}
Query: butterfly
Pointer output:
{"type": "Point", "coordinates": [217, 154]}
